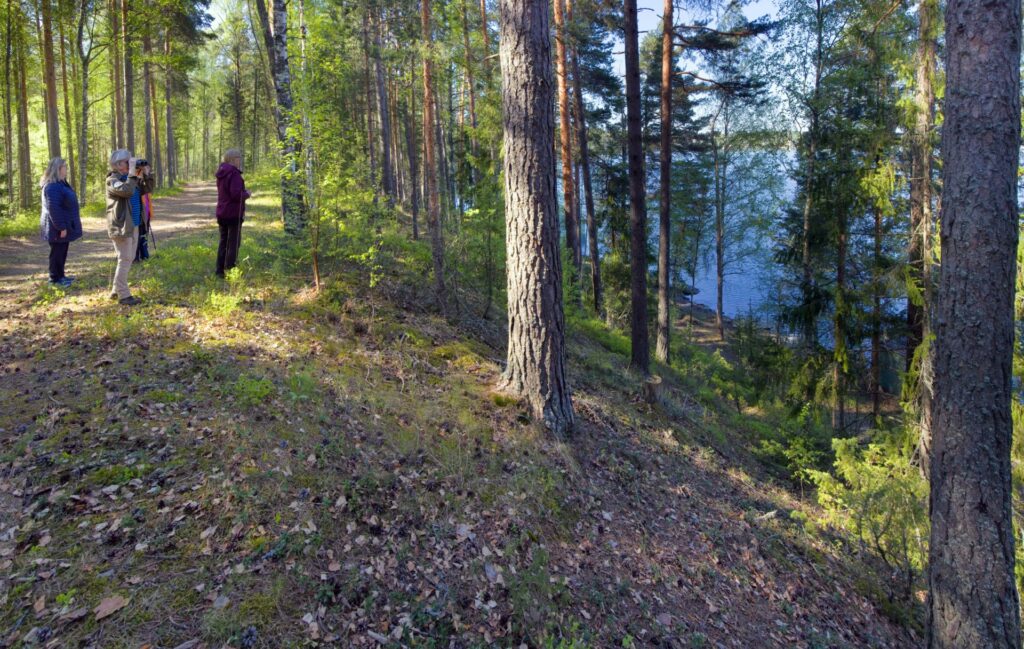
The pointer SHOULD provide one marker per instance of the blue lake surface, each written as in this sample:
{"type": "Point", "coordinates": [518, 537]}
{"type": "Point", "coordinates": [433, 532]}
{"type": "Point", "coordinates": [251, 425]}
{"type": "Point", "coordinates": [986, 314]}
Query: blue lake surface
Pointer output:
{"type": "Point", "coordinates": [750, 286]}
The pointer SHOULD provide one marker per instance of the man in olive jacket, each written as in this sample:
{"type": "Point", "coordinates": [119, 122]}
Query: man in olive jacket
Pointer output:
{"type": "Point", "coordinates": [126, 184]}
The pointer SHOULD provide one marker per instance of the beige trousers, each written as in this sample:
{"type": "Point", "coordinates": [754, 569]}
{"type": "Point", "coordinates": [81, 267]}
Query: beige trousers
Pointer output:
{"type": "Point", "coordinates": [125, 248]}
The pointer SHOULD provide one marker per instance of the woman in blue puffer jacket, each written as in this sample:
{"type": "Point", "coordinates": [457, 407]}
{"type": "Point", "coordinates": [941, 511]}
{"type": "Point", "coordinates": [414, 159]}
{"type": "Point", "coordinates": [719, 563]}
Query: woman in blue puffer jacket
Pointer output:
{"type": "Point", "coordinates": [59, 220]}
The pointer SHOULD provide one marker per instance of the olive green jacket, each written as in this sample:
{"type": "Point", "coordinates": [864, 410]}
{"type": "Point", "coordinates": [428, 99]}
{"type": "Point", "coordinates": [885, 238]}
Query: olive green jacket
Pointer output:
{"type": "Point", "coordinates": [119, 210]}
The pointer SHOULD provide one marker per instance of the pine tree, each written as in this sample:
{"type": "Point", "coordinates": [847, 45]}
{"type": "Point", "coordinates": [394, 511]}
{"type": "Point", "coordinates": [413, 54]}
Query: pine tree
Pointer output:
{"type": "Point", "coordinates": [536, 323]}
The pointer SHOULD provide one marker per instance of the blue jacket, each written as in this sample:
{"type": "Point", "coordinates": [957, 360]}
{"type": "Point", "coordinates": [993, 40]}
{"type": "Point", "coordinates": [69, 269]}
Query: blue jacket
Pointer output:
{"type": "Point", "coordinates": [59, 212]}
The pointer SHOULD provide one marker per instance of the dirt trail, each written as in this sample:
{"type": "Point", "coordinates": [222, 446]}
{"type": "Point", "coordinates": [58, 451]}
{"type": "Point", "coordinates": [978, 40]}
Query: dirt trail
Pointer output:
{"type": "Point", "coordinates": [23, 259]}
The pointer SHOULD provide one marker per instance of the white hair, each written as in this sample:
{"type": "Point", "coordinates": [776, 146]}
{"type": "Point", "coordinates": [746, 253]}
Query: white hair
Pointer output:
{"type": "Point", "coordinates": [118, 156]}
{"type": "Point", "coordinates": [52, 173]}
{"type": "Point", "coordinates": [232, 154]}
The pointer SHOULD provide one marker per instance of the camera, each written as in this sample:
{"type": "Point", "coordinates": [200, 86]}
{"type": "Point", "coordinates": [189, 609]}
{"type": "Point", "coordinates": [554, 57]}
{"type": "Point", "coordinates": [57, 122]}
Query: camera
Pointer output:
{"type": "Point", "coordinates": [140, 163]}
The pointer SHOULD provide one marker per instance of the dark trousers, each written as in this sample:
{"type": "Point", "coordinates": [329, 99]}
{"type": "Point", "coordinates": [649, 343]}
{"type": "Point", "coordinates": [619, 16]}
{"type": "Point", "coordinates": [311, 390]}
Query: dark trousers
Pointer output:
{"type": "Point", "coordinates": [142, 250]}
{"type": "Point", "coordinates": [58, 256]}
{"type": "Point", "coordinates": [230, 239]}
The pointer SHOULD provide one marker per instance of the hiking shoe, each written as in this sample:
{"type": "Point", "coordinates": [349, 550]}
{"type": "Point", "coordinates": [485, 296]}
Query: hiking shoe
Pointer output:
{"type": "Point", "coordinates": [113, 295]}
{"type": "Point", "coordinates": [67, 281]}
{"type": "Point", "coordinates": [131, 300]}
{"type": "Point", "coordinates": [60, 282]}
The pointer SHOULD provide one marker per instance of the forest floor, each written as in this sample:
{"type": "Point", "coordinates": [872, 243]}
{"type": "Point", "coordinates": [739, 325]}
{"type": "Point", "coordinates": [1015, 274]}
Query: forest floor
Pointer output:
{"type": "Point", "coordinates": [250, 463]}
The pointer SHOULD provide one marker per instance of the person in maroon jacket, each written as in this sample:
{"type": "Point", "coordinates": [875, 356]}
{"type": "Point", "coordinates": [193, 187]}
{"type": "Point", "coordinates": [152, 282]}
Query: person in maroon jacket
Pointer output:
{"type": "Point", "coordinates": [231, 195]}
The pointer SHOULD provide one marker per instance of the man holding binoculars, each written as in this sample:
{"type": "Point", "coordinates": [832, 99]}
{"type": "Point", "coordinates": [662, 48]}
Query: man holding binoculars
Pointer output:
{"type": "Point", "coordinates": [128, 180]}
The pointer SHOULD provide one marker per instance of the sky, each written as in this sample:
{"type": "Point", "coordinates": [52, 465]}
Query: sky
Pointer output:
{"type": "Point", "coordinates": [648, 16]}
{"type": "Point", "coordinates": [649, 20]}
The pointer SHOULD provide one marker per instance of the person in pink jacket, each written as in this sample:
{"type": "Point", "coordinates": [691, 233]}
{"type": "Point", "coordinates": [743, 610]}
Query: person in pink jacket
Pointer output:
{"type": "Point", "coordinates": [231, 195]}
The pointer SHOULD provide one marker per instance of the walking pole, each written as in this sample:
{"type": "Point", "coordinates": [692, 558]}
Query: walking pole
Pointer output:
{"type": "Point", "coordinates": [152, 235]}
{"type": "Point", "coordinates": [238, 234]}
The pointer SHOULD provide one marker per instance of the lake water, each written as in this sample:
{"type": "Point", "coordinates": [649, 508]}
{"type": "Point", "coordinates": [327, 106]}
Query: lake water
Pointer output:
{"type": "Point", "coordinates": [749, 287]}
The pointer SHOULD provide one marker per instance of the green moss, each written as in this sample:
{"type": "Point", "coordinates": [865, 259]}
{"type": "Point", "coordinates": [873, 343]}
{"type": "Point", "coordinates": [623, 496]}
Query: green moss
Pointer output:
{"type": "Point", "coordinates": [114, 474]}
{"type": "Point", "coordinates": [504, 400]}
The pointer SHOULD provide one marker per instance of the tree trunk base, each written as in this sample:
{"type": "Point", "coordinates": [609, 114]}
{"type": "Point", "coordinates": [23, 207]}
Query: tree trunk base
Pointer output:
{"type": "Point", "coordinates": [653, 390]}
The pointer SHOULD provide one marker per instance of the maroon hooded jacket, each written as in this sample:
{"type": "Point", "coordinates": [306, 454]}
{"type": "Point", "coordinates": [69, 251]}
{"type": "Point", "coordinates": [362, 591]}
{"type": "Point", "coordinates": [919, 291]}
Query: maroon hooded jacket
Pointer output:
{"type": "Point", "coordinates": [231, 193]}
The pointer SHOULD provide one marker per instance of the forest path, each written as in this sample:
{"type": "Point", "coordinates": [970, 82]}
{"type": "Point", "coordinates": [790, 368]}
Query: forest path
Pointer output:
{"type": "Point", "coordinates": [23, 259]}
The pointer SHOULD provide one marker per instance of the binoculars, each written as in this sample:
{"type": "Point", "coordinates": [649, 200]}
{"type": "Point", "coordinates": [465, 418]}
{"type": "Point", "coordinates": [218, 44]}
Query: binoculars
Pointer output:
{"type": "Point", "coordinates": [141, 163]}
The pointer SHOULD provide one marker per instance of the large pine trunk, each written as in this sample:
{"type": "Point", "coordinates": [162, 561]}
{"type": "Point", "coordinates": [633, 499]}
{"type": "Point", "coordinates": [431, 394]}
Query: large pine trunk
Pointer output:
{"type": "Point", "coordinates": [536, 322]}
{"type": "Point", "coordinates": [640, 359]}
{"type": "Point", "coordinates": [430, 163]}
{"type": "Point", "coordinates": [50, 79]}
{"type": "Point", "coordinates": [665, 207]}
{"type": "Point", "coordinates": [973, 599]}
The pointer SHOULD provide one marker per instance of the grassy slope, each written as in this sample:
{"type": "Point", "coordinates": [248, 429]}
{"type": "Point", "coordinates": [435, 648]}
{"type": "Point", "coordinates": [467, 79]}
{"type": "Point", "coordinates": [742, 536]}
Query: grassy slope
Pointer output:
{"type": "Point", "coordinates": [253, 464]}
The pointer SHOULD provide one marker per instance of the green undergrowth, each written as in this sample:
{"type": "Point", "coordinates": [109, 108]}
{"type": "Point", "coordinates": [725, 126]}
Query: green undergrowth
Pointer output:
{"type": "Point", "coordinates": [24, 223]}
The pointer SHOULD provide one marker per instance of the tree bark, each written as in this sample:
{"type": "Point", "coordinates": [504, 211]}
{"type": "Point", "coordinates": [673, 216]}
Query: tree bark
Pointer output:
{"type": "Point", "coordinates": [8, 94]}
{"type": "Point", "coordinates": [487, 39]}
{"type": "Point", "coordinates": [920, 250]}
{"type": "Point", "coordinates": [572, 228]}
{"type": "Point", "coordinates": [412, 146]}
{"type": "Point", "coordinates": [85, 58]}
{"type": "Point", "coordinates": [156, 131]}
{"type": "Point", "coordinates": [665, 207]}
{"type": "Point", "coordinates": [973, 599]}
{"type": "Point", "coordinates": [721, 155]}
{"type": "Point", "coordinates": [117, 98]}
{"type": "Point", "coordinates": [292, 206]}
{"type": "Point", "coordinates": [876, 323]}
{"type": "Point", "coordinates": [129, 81]}
{"type": "Point", "coordinates": [171, 148]}
{"type": "Point", "coordinates": [470, 83]}
{"type": "Point", "coordinates": [584, 151]}
{"type": "Point", "coordinates": [536, 323]}
{"type": "Point", "coordinates": [840, 355]}
{"type": "Point", "coordinates": [388, 175]}
{"type": "Point", "coordinates": [430, 164]}
{"type": "Point", "coordinates": [25, 192]}
{"type": "Point", "coordinates": [371, 138]}
{"type": "Point", "coordinates": [640, 358]}
{"type": "Point", "coordinates": [67, 102]}
{"type": "Point", "coordinates": [236, 92]}
{"type": "Point", "coordinates": [810, 331]}
{"type": "Point", "coordinates": [50, 79]}
{"type": "Point", "coordinates": [148, 101]}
